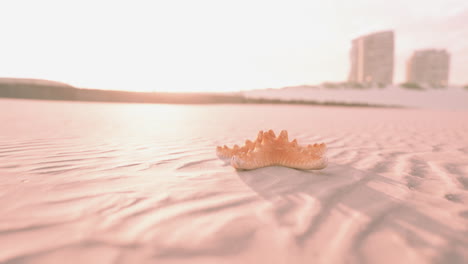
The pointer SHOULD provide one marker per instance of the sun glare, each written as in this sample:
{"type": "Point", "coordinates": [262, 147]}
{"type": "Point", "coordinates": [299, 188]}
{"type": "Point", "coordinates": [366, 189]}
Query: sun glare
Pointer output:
{"type": "Point", "coordinates": [195, 45]}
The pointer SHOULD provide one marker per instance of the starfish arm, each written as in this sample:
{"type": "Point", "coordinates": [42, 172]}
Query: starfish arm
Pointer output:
{"type": "Point", "coordinates": [269, 150]}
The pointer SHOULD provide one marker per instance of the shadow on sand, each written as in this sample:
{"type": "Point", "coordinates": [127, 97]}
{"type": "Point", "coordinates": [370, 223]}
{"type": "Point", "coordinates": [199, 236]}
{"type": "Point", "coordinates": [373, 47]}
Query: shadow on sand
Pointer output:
{"type": "Point", "coordinates": [385, 202]}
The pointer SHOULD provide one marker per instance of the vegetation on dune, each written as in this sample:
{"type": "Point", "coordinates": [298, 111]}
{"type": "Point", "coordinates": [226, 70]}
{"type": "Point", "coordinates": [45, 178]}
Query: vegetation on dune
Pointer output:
{"type": "Point", "coordinates": [310, 102]}
{"type": "Point", "coordinates": [352, 85]}
{"type": "Point", "coordinates": [412, 86]}
{"type": "Point", "coordinates": [356, 85]}
{"type": "Point", "coordinates": [330, 85]}
{"type": "Point", "coordinates": [381, 85]}
{"type": "Point", "coordinates": [438, 86]}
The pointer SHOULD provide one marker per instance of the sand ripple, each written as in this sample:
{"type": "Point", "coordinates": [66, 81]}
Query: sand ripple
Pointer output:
{"type": "Point", "coordinates": [153, 191]}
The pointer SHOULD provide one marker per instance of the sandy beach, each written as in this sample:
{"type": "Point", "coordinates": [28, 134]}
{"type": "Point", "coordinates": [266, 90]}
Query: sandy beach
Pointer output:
{"type": "Point", "coordinates": [129, 183]}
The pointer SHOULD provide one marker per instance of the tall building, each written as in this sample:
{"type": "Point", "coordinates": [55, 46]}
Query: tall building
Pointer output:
{"type": "Point", "coordinates": [372, 58]}
{"type": "Point", "coordinates": [428, 66]}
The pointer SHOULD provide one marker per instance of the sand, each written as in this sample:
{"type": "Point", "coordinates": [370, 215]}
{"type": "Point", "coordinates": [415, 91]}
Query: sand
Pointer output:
{"type": "Point", "coordinates": [122, 183]}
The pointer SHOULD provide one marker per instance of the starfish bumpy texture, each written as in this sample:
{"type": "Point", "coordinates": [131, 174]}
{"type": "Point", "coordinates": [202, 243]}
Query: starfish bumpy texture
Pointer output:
{"type": "Point", "coordinates": [269, 150]}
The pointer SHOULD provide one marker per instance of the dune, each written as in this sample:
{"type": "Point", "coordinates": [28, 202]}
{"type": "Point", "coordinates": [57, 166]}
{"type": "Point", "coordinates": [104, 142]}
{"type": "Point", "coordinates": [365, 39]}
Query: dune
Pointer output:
{"type": "Point", "coordinates": [450, 98]}
{"type": "Point", "coordinates": [130, 183]}
{"type": "Point", "coordinates": [32, 82]}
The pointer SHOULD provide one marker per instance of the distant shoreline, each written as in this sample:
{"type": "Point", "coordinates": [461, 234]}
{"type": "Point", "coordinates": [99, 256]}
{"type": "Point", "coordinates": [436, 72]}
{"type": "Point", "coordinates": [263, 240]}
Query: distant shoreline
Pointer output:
{"type": "Point", "coordinates": [25, 89]}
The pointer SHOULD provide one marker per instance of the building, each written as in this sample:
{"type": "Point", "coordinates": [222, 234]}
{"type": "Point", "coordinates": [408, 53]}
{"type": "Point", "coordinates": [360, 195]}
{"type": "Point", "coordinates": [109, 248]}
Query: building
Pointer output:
{"type": "Point", "coordinates": [430, 67]}
{"type": "Point", "coordinates": [372, 58]}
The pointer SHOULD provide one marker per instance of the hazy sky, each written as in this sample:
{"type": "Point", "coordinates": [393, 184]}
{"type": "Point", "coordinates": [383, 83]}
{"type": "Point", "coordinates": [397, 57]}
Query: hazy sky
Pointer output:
{"type": "Point", "coordinates": [201, 45]}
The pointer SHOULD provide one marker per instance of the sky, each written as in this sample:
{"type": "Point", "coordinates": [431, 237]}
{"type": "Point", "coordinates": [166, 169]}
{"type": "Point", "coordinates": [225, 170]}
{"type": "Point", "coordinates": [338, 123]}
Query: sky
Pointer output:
{"type": "Point", "coordinates": [216, 45]}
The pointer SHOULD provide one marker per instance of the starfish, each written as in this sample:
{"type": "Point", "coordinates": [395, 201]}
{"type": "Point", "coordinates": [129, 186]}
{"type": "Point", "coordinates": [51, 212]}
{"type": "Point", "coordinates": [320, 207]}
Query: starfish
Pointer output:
{"type": "Point", "coordinates": [269, 150]}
